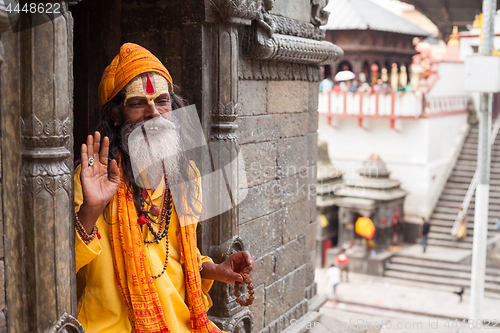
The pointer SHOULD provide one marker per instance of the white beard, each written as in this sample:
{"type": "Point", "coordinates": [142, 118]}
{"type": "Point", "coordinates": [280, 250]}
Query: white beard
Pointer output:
{"type": "Point", "coordinates": [162, 145]}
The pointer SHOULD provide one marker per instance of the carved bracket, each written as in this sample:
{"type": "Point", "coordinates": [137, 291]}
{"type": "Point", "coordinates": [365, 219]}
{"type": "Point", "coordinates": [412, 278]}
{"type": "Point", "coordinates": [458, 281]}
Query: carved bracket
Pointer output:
{"type": "Point", "coordinates": [283, 48]}
{"type": "Point", "coordinates": [272, 70]}
{"type": "Point", "coordinates": [66, 324]}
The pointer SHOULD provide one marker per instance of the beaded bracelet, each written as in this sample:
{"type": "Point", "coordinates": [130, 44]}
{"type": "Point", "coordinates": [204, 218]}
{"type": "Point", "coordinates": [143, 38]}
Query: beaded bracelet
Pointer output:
{"type": "Point", "coordinates": [251, 292]}
{"type": "Point", "coordinates": [86, 238]}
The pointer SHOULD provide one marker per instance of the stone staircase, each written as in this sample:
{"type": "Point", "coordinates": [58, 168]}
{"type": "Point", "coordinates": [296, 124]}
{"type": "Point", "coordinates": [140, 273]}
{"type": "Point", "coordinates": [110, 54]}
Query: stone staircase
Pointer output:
{"type": "Point", "coordinates": [453, 194]}
{"type": "Point", "coordinates": [440, 272]}
{"type": "Point", "coordinates": [448, 264]}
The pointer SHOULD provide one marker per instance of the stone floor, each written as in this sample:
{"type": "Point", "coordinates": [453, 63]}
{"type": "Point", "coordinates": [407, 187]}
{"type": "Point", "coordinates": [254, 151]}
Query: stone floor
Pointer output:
{"type": "Point", "coordinates": [390, 305]}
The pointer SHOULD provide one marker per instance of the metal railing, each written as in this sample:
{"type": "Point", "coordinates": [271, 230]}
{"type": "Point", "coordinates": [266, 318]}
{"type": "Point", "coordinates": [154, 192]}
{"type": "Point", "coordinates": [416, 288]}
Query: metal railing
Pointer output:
{"type": "Point", "coordinates": [472, 185]}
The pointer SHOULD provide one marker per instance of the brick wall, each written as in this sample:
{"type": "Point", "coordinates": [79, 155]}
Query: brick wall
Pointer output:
{"type": "Point", "coordinates": [277, 123]}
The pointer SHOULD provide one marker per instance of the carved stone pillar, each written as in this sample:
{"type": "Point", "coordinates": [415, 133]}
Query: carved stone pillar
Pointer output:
{"type": "Point", "coordinates": [222, 77]}
{"type": "Point", "coordinates": [40, 251]}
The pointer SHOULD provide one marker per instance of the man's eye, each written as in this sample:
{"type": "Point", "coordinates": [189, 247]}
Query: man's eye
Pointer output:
{"type": "Point", "coordinates": [163, 101]}
{"type": "Point", "coordinates": [136, 104]}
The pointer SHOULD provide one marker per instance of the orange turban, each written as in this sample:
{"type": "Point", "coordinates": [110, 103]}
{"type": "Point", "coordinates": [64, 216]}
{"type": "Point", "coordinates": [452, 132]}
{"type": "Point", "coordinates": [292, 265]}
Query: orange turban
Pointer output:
{"type": "Point", "coordinates": [132, 60]}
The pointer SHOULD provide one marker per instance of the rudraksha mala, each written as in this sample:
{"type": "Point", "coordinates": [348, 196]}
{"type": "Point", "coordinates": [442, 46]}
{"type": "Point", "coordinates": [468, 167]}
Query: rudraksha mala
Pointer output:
{"type": "Point", "coordinates": [251, 292]}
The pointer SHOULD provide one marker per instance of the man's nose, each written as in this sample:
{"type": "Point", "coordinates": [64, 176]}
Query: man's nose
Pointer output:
{"type": "Point", "coordinates": [151, 110]}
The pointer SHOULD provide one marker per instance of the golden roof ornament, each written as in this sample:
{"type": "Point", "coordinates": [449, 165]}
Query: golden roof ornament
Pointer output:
{"type": "Point", "coordinates": [454, 37]}
{"type": "Point", "coordinates": [478, 22]}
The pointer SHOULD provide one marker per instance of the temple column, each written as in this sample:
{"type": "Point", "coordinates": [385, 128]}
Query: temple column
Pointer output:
{"type": "Point", "coordinates": [40, 274]}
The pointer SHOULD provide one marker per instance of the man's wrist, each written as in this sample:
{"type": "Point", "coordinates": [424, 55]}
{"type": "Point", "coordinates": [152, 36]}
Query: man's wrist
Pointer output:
{"type": "Point", "coordinates": [89, 215]}
{"type": "Point", "coordinates": [209, 271]}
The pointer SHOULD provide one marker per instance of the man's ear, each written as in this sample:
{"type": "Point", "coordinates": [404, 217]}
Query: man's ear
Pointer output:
{"type": "Point", "coordinates": [114, 113]}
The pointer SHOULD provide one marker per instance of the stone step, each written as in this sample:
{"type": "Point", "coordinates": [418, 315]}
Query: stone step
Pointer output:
{"type": "Point", "coordinates": [443, 272]}
{"type": "Point", "coordinates": [473, 157]}
{"type": "Point", "coordinates": [447, 243]}
{"type": "Point", "coordinates": [460, 199]}
{"type": "Point", "coordinates": [455, 210]}
{"type": "Point", "coordinates": [472, 145]}
{"type": "Point", "coordinates": [494, 272]}
{"type": "Point", "coordinates": [447, 203]}
{"type": "Point", "coordinates": [458, 186]}
{"type": "Point", "coordinates": [447, 236]}
{"type": "Point", "coordinates": [471, 140]}
{"type": "Point", "coordinates": [495, 169]}
{"type": "Point", "coordinates": [449, 224]}
{"type": "Point", "coordinates": [454, 191]}
{"type": "Point", "coordinates": [440, 228]}
{"type": "Point", "coordinates": [463, 187]}
{"type": "Point", "coordinates": [468, 163]}
{"type": "Point", "coordinates": [459, 173]}
{"type": "Point", "coordinates": [458, 282]}
{"type": "Point", "coordinates": [493, 217]}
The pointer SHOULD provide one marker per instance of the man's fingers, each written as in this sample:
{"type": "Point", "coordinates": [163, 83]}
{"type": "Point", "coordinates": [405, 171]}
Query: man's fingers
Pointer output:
{"type": "Point", "coordinates": [97, 143]}
{"type": "Point", "coordinates": [85, 158]}
{"type": "Point", "coordinates": [114, 172]}
{"type": "Point", "coordinates": [250, 259]}
{"type": "Point", "coordinates": [237, 277]}
{"type": "Point", "coordinates": [103, 157]}
{"type": "Point", "coordinates": [90, 146]}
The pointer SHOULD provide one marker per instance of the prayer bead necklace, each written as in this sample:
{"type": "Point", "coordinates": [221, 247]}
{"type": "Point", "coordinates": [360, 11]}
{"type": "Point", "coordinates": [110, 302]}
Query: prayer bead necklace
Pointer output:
{"type": "Point", "coordinates": [251, 292]}
{"type": "Point", "coordinates": [166, 212]}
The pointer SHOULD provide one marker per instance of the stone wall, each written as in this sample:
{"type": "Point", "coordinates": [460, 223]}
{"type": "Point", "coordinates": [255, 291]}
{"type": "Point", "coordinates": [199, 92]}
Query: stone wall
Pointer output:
{"type": "Point", "coordinates": [277, 123]}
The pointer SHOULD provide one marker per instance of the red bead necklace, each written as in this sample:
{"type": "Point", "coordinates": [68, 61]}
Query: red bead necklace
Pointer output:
{"type": "Point", "coordinates": [166, 212]}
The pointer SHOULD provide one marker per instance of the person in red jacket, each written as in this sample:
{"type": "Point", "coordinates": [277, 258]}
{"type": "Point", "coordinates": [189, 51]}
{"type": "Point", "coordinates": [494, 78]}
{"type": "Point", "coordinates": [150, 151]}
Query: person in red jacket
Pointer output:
{"type": "Point", "coordinates": [343, 265]}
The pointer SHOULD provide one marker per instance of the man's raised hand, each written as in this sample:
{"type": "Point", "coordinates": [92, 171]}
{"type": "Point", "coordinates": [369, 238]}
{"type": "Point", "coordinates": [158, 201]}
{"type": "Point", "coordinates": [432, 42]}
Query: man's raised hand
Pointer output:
{"type": "Point", "coordinates": [98, 189]}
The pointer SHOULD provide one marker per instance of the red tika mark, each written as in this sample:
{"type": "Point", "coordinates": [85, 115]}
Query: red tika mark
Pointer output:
{"type": "Point", "coordinates": [149, 86]}
{"type": "Point", "coordinates": [98, 235]}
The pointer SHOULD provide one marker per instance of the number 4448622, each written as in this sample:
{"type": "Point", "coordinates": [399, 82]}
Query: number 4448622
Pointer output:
{"type": "Point", "coordinates": [34, 8]}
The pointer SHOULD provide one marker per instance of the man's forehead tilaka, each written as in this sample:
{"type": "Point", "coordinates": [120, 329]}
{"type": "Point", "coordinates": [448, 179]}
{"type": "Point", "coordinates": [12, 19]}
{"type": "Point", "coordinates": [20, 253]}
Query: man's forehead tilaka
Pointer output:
{"type": "Point", "coordinates": [147, 85]}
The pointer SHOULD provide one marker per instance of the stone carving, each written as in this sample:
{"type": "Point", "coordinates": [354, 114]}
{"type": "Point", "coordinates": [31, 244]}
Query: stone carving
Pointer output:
{"type": "Point", "coordinates": [318, 15]}
{"type": "Point", "coordinates": [278, 71]}
{"type": "Point", "coordinates": [66, 324]}
{"type": "Point", "coordinates": [51, 177]}
{"type": "Point", "coordinates": [236, 9]}
{"type": "Point", "coordinates": [292, 27]}
{"type": "Point", "coordinates": [258, 45]}
{"type": "Point", "coordinates": [242, 322]}
{"type": "Point", "coordinates": [265, 20]}
{"type": "Point", "coordinates": [53, 133]}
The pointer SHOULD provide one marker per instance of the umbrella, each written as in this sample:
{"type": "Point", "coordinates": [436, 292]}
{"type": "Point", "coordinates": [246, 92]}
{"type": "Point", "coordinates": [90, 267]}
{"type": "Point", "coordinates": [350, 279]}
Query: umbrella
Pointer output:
{"type": "Point", "coordinates": [344, 76]}
{"type": "Point", "coordinates": [365, 227]}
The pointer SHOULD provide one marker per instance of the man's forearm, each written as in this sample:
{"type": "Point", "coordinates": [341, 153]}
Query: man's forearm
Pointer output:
{"type": "Point", "coordinates": [209, 271]}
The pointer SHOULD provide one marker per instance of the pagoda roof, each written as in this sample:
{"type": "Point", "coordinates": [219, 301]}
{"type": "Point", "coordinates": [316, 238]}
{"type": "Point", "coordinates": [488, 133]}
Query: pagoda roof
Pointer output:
{"type": "Point", "coordinates": [366, 15]}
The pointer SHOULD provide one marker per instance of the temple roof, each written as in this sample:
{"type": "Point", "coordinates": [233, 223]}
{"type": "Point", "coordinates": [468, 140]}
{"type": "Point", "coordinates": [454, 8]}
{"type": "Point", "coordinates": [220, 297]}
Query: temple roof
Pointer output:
{"type": "Point", "coordinates": [366, 15]}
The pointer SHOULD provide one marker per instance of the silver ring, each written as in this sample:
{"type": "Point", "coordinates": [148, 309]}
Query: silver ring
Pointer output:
{"type": "Point", "coordinates": [91, 161]}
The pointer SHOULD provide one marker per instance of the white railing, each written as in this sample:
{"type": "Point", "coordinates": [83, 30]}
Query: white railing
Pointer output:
{"type": "Point", "coordinates": [472, 185]}
{"type": "Point", "coordinates": [444, 104]}
{"type": "Point", "coordinates": [389, 105]}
